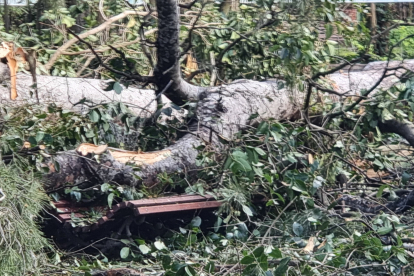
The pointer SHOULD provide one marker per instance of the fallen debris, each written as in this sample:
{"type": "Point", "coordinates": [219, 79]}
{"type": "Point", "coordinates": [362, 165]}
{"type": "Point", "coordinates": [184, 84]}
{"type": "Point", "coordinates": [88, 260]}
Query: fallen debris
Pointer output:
{"type": "Point", "coordinates": [65, 210]}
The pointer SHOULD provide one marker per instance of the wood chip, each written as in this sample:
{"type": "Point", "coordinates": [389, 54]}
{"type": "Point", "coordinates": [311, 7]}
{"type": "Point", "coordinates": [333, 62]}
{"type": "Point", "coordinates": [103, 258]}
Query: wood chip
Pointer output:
{"type": "Point", "coordinates": [310, 246]}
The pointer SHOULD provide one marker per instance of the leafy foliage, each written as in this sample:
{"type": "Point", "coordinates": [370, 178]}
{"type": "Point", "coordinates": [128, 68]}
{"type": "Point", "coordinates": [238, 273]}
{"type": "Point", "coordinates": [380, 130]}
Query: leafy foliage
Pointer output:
{"type": "Point", "coordinates": [22, 245]}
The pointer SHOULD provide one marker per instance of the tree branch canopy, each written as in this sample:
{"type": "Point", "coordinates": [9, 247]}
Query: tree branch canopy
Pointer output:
{"type": "Point", "coordinates": [98, 29]}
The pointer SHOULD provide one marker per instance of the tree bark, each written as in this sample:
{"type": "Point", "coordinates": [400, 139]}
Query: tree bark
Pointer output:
{"type": "Point", "coordinates": [6, 17]}
{"type": "Point", "coordinates": [168, 55]}
{"type": "Point", "coordinates": [221, 112]}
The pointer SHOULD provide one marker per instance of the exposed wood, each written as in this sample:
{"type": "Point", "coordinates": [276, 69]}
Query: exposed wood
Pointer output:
{"type": "Point", "coordinates": [86, 149]}
{"type": "Point", "coordinates": [373, 17]}
{"type": "Point", "coordinates": [123, 156]}
{"type": "Point", "coordinates": [140, 159]}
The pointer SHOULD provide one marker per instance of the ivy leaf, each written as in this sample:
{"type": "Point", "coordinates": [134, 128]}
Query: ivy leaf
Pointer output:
{"type": "Point", "coordinates": [297, 229]}
{"type": "Point", "coordinates": [260, 151]}
{"type": "Point", "coordinates": [329, 31]}
{"type": "Point", "coordinates": [167, 111]}
{"type": "Point", "coordinates": [125, 252]}
{"type": "Point", "coordinates": [282, 267]}
{"type": "Point", "coordinates": [276, 253]}
{"type": "Point", "coordinates": [247, 260]}
{"type": "Point", "coordinates": [94, 116]}
{"type": "Point", "coordinates": [144, 249]}
{"type": "Point", "coordinates": [234, 36]}
{"type": "Point", "coordinates": [159, 245]}
{"type": "Point", "coordinates": [386, 115]}
{"type": "Point", "coordinates": [196, 222]}
{"type": "Point", "coordinates": [247, 210]}
{"type": "Point", "coordinates": [39, 136]}
{"type": "Point", "coordinates": [405, 177]}
{"type": "Point", "coordinates": [118, 88]}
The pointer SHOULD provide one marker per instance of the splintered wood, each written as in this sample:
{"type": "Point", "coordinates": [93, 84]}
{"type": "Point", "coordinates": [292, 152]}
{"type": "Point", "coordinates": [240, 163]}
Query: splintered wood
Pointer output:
{"type": "Point", "coordinates": [13, 57]}
{"type": "Point", "coordinates": [123, 156]}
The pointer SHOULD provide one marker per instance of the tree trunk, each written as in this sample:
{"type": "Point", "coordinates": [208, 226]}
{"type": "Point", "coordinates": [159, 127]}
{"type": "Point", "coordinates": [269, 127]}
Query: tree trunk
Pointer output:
{"type": "Point", "coordinates": [6, 17]}
{"type": "Point", "coordinates": [221, 112]}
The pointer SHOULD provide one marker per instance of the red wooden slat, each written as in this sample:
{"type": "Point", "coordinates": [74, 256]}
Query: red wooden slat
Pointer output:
{"type": "Point", "coordinates": [168, 200]}
{"type": "Point", "coordinates": [176, 207]}
{"type": "Point", "coordinates": [68, 216]}
{"type": "Point", "coordinates": [140, 207]}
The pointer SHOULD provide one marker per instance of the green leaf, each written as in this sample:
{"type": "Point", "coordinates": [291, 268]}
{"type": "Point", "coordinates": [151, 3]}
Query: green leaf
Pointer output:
{"type": "Point", "coordinates": [297, 229]}
{"type": "Point", "coordinates": [110, 199]}
{"type": "Point", "coordinates": [159, 245]}
{"type": "Point", "coordinates": [401, 257]}
{"type": "Point", "coordinates": [384, 230]}
{"type": "Point", "coordinates": [217, 224]}
{"type": "Point", "coordinates": [166, 262]}
{"type": "Point", "coordinates": [405, 177]}
{"type": "Point", "coordinates": [39, 136]}
{"type": "Point", "coordinates": [144, 249]}
{"type": "Point", "coordinates": [210, 267]}
{"type": "Point", "coordinates": [381, 190]}
{"type": "Point", "coordinates": [234, 36]}
{"type": "Point", "coordinates": [247, 210]}
{"type": "Point", "coordinates": [118, 88]}
{"type": "Point", "coordinates": [94, 116]}
{"type": "Point", "coordinates": [167, 111]}
{"type": "Point", "coordinates": [276, 253]}
{"type": "Point", "coordinates": [90, 134]}
{"type": "Point", "coordinates": [299, 186]}
{"type": "Point", "coordinates": [260, 151]}
{"type": "Point", "coordinates": [331, 50]}
{"type": "Point", "coordinates": [247, 260]}
{"type": "Point", "coordinates": [110, 86]}
{"type": "Point", "coordinates": [190, 271]}
{"type": "Point", "coordinates": [196, 222]}
{"type": "Point", "coordinates": [282, 267]}
{"type": "Point", "coordinates": [329, 31]}
{"type": "Point", "coordinates": [125, 252]}
{"type": "Point", "coordinates": [386, 115]}
{"type": "Point", "coordinates": [223, 45]}
{"type": "Point", "coordinates": [241, 158]}
{"type": "Point", "coordinates": [258, 252]}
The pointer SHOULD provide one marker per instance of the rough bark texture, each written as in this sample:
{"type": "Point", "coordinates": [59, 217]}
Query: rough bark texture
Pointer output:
{"type": "Point", "coordinates": [76, 169]}
{"type": "Point", "coordinates": [65, 92]}
{"type": "Point", "coordinates": [221, 112]}
{"type": "Point", "coordinates": [402, 128]}
{"type": "Point", "coordinates": [168, 55]}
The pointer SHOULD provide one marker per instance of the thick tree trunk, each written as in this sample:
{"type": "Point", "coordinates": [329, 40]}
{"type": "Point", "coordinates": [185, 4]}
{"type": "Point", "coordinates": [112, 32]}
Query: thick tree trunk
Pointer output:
{"type": "Point", "coordinates": [168, 55]}
{"type": "Point", "coordinates": [221, 112]}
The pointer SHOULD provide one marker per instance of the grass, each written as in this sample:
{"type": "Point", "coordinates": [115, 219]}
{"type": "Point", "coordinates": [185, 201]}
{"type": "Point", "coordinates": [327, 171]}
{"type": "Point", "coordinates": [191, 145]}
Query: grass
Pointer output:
{"type": "Point", "coordinates": [22, 245]}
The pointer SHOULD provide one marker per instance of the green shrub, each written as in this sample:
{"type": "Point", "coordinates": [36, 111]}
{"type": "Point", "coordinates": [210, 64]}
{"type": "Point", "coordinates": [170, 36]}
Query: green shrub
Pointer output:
{"type": "Point", "coordinates": [406, 49]}
{"type": "Point", "coordinates": [22, 245]}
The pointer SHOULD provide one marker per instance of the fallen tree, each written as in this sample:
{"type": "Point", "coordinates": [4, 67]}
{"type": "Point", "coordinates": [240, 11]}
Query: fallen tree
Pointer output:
{"type": "Point", "coordinates": [221, 112]}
